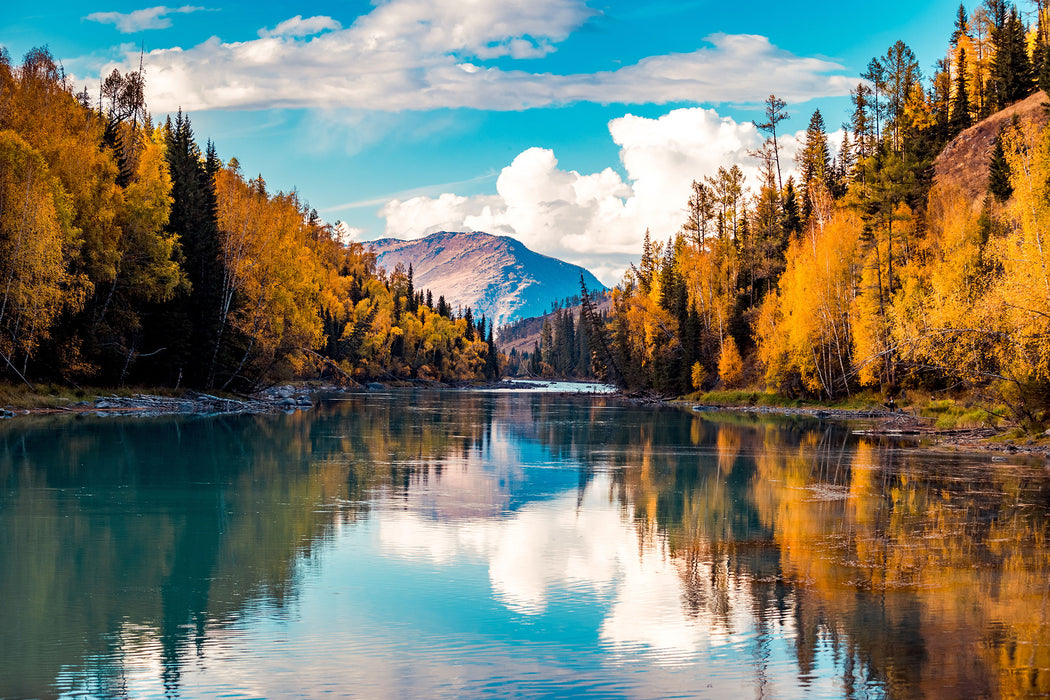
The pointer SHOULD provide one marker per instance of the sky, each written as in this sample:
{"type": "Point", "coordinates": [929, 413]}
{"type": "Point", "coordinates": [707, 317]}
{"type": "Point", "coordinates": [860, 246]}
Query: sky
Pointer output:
{"type": "Point", "coordinates": [572, 125]}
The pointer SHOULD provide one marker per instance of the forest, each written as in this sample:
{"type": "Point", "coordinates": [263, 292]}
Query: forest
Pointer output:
{"type": "Point", "coordinates": [863, 275]}
{"type": "Point", "coordinates": [130, 256]}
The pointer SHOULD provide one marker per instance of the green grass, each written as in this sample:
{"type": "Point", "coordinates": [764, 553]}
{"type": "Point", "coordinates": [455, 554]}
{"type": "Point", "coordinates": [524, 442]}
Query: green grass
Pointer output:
{"type": "Point", "coordinates": [950, 414]}
{"type": "Point", "coordinates": [754, 397]}
{"type": "Point", "coordinates": [43, 396]}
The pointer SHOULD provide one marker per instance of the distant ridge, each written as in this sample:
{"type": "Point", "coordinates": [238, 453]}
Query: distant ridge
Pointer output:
{"type": "Point", "coordinates": [495, 275]}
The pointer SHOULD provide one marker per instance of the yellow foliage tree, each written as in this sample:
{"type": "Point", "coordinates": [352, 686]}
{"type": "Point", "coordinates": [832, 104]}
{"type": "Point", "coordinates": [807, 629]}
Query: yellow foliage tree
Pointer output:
{"type": "Point", "coordinates": [730, 363]}
{"type": "Point", "coordinates": [37, 242]}
{"type": "Point", "coordinates": [805, 331]}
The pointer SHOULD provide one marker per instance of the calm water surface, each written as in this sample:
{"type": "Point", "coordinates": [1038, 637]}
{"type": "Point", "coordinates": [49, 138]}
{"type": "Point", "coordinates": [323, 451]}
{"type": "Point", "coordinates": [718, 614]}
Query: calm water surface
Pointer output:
{"type": "Point", "coordinates": [467, 545]}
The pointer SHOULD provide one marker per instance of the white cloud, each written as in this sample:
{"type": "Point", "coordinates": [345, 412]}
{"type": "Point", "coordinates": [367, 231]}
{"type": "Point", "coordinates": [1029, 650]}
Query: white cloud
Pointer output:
{"type": "Point", "coordinates": [346, 233]}
{"type": "Point", "coordinates": [298, 27]}
{"type": "Point", "coordinates": [427, 54]}
{"type": "Point", "coordinates": [597, 219]}
{"type": "Point", "coordinates": [148, 18]}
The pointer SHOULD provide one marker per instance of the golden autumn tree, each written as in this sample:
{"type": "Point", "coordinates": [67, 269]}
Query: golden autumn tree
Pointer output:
{"type": "Point", "coordinates": [37, 242]}
{"type": "Point", "coordinates": [805, 332]}
{"type": "Point", "coordinates": [271, 277]}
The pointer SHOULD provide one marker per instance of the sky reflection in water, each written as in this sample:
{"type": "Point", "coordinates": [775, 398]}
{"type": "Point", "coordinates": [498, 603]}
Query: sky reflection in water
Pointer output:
{"type": "Point", "coordinates": [450, 545]}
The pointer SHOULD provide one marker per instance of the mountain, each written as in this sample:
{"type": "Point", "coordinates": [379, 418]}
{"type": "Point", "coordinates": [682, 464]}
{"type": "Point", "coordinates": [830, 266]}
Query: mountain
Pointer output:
{"type": "Point", "coordinates": [494, 275]}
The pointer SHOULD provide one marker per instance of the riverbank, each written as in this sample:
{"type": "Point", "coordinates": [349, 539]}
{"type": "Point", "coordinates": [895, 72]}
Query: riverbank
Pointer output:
{"type": "Point", "coordinates": [873, 420]}
{"type": "Point", "coordinates": [925, 423]}
{"type": "Point", "coordinates": [145, 402]}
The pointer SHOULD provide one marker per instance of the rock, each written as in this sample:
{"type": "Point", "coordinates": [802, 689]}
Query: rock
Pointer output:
{"type": "Point", "coordinates": [285, 392]}
{"type": "Point", "coordinates": [289, 402]}
{"type": "Point", "coordinates": [375, 386]}
{"type": "Point", "coordinates": [103, 404]}
{"type": "Point", "coordinates": [304, 401]}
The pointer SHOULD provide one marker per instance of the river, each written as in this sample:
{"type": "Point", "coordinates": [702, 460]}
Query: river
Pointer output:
{"type": "Point", "coordinates": [513, 544]}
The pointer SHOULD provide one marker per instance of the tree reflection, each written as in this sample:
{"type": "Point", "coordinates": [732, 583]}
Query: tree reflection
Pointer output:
{"type": "Point", "coordinates": [915, 574]}
{"type": "Point", "coordinates": [927, 573]}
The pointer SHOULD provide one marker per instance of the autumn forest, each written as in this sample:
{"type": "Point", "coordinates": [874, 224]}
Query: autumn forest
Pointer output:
{"type": "Point", "coordinates": [865, 273]}
{"type": "Point", "coordinates": [130, 254]}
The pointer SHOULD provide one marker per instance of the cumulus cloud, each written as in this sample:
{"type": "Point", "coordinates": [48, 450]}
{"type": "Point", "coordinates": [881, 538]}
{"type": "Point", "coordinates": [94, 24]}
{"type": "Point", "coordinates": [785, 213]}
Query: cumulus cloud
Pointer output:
{"type": "Point", "coordinates": [148, 18]}
{"type": "Point", "coordinates": [598, 219]}
{"type": "Point", "coordinates": [297, 27]}
{"type": "Point", "coordinates": [429, 54]}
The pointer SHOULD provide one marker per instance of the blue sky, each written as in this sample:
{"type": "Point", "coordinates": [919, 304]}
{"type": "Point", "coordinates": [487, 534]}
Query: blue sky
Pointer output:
{"type": "Point", "coordinates": [573, 125]}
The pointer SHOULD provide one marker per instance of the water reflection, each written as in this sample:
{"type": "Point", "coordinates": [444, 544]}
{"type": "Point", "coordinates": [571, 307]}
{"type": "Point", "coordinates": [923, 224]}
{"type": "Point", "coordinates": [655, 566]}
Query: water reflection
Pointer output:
{"type": "Point", "coordinates": [462, 544]}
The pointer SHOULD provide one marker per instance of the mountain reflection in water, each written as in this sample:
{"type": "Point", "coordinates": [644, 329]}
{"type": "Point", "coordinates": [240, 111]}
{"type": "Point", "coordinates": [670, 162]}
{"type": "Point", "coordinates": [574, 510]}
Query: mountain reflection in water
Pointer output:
{"type": "Point", "coordinates": [457, 544]}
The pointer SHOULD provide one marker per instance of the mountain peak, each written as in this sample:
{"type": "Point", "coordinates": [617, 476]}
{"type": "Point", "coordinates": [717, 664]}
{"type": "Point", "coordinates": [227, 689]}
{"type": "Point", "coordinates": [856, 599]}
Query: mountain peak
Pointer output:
{"type": "Point", "coordinates": [497, 276]}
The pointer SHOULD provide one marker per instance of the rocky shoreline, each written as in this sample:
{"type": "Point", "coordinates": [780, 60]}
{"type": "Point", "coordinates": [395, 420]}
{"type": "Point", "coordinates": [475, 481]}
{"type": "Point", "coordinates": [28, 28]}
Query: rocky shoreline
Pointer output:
{"type": "Point", "coordinates": [284, 399]}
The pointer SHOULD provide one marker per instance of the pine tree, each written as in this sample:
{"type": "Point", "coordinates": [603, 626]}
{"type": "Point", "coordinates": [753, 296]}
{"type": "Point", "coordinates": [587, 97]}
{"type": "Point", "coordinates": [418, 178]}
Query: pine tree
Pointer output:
{"type": "Point", "coordinates": [188, 326]}
{"type": "Point", "coordinates": [814, 161]}
{"type": "Point", "coordinates": [792, 217]}
{"type": "Point", "coordinates": [999, 171]}
{"type": "Point", "coordinates": [962, 27]}
{"type": "Point", "coordinates": [876, 76]}
{"type": "Point", "coordinates": [961, 99]}
{"type": "Point", "coordinates": [492, 369]}
{"type": "Point", "coordinates": [1012, 77]}
{"type": "Point", "coordinates": [863, 138]}
{"type": "Point", "coordinates": [469, 315]}
{"type": "Point", "coordinates": [774, 115]}
{"type": "Point", "coordinates": [902, 75]}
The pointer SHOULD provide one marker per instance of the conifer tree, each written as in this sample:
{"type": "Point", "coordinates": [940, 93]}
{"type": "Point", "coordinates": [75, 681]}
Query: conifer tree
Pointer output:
{"type": "Point", "coordinates": [999, 170]}
{"type": "Point", "coordinates": [876, 76]}
{"type": "Point", "coordinates": [1012, 76]}
{"type": "Point", "coordinates": [962, 26]}
{"type": "Point", "coordinates": [860, 122]}
{"type": "Point", "coordinates": [902, 75]}
{"type": "Point", "coordinates": [961, 99]}
{"type": "Point", "coordinates": [814, 161]}
{"type": "Point", "coordinates": [189, 326]}
{"type": "Point", "coordinates": [792, 216]}
{"type": "Point", "coordinates": [469, 316]}
{"type": "Point", "coordinates": [774, 115]}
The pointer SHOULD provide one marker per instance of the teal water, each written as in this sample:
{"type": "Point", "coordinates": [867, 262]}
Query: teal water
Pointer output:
{"type": "Point", "coordinates": [426, 544]}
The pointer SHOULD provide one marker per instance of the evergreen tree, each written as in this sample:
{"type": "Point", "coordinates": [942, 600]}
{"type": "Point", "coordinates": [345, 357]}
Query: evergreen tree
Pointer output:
{"type": "Point", "coordinates": [860, 122]}
{"type": "Point", "coordinates": [999, 171]}
{"type": "Point", "coordinates": [1012, 76]}
{"type": "Point", "coordinates": [814, 161]}
{"type": "Point", "coordinates": [774, 115]}
{"type": "Point", "coordinates": [941, 100]}
{"type": "Point", "coordinates": [413, 304]}
{"type": "Point", "coordinates": [961, 99]}
{"type": "Point", "coordinates": [792, 216]}
{"type": "Point", "coordinates": [492, 370]}
{"type": "Point", "coordinates": [962, 26]}
{"type": "Point", "coordinates": [469, 315]}
{"type": "Point", "coordinates": [188, 326]}
{"type": "Point", "coordinates": [902, 76]}
{"type": "Point", "coordinates": [876, 77]}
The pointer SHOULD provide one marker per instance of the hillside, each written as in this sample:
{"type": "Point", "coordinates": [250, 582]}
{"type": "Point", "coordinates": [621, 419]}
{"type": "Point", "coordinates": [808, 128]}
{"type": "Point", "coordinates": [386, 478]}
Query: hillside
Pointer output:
{"type": "Point", "coordinates": [524, 334]}
{"type": "Point", "coordinates": [964, 161]}
{"type": "Point", "coordinates": [494, 275]}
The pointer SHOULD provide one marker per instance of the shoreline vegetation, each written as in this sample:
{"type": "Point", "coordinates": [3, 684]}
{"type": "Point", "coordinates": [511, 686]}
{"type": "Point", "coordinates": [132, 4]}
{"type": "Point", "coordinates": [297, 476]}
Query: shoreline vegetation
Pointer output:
{"type": "Point", "coordinates": [932, 424]}
{"type": "Point", "coordinates": [907, 255]}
